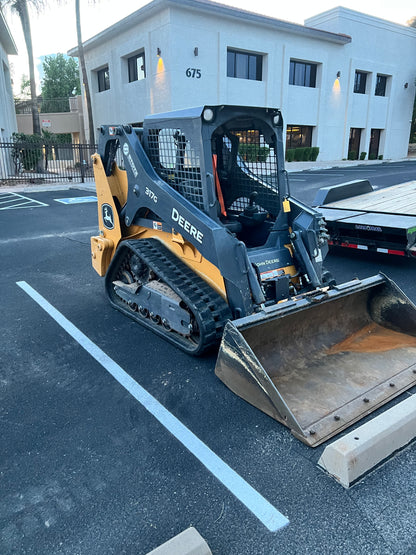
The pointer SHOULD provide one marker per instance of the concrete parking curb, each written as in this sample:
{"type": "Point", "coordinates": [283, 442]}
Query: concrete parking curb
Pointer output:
{"type": "Point", "coordinates": [188, 542]}
{"type": "Point", "coordinates": [350, 457]}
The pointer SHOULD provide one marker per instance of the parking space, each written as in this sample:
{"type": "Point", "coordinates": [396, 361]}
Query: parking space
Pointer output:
{"type": "Point", "coordinates": [113, 441]}
{"type": "Point", "coordinates": [13, 201]}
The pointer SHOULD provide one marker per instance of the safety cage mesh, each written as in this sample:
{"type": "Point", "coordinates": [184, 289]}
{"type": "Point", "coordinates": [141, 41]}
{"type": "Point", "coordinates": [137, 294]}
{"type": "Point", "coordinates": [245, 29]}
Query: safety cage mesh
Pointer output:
{"type": "Point", "coordinates": [177, 162]}
{"type": "Point", "coordinates": [246, 165]}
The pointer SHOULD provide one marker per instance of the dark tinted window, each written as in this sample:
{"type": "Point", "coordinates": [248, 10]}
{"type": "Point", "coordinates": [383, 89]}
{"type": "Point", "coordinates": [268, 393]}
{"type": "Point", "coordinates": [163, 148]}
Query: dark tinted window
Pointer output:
{"type": "Point", "coordinates": [103, 76]}
{"type": "Point", "coordinates": [381, 83]}
{"type": "Point", "coordinates": [360, 82]}
{"type": "Point", "coordinates": [244, 65]}
{"type": "Point", "coordinates": [302, 74]}
{"type": "Point", "coordinates": [298, 136]}
{"type": "Point", "coordinates": [137, 68]}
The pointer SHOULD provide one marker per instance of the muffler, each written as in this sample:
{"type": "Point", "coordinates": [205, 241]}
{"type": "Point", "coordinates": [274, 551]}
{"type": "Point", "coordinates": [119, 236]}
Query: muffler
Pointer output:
{"type": "Point", "coordinates": [321, 362]}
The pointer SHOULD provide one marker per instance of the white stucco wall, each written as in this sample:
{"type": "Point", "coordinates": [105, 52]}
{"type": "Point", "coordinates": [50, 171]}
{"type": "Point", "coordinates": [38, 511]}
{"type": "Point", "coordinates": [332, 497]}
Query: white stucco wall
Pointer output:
{"type": "Point", "coordinates": [377, 47]}
{"type": "Point", "coordinates": [331, 108]}
{"type": "Point", "coordinates": [7, 113]}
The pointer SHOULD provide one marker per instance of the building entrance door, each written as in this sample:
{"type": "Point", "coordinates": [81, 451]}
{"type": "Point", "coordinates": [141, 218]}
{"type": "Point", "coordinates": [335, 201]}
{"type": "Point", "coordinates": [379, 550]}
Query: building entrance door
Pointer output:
{"type": "Point", "coordinates": [354, 144]}
{"type": "Point", "coordinates": [374, 144]}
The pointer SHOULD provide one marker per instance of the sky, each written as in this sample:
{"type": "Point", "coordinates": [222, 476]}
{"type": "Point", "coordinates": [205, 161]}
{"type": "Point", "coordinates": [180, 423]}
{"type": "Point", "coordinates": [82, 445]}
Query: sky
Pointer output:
{"type": "Point", "coordinates": [53, 28]}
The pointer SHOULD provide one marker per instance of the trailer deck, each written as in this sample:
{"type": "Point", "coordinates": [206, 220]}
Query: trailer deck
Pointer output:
{"type": "Point", "coordinates": [359, 217]}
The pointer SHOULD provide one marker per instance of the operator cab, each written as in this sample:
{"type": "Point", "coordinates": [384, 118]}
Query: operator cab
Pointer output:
{"type": "Point", "coordinates": [245, 176]}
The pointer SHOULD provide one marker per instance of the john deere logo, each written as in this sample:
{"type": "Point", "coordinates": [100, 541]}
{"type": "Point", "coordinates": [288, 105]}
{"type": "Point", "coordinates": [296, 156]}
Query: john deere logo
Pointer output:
{"type": "Point", "coordinates": [108, 216]}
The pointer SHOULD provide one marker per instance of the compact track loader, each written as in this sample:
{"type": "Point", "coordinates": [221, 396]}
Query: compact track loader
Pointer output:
{"type": "Point", "coordinates": [201, 242]}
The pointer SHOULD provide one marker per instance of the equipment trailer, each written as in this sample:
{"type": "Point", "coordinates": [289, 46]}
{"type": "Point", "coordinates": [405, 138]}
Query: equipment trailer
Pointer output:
{"type": "Point", "coordinates": [359, 217]}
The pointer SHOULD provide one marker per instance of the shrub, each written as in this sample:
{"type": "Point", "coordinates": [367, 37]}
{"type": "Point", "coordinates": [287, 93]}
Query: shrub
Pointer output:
{"type": "Point", "coordinates": [290, 154]}
{"type": "Point", "coordinates": [299, 151]}
{"type": "Point", "coordinates": [380, 157]}
{"type": "Point", "coordinates": [314, 153]}
{"type": "Point", "coordinates": [363, 155]}
{"type": "Point", "coordinates": [307, 153]}
{"type": "Point", "coordinates": [372, 156]}
{"type": "Point", "coordinates": [263, 153]}
{"type": "Point", "coordinates": [253, 152]}
{"type": "Point", "coordinates": [28, 149]}
{"type": "Point", "coordinates": [352, 155]}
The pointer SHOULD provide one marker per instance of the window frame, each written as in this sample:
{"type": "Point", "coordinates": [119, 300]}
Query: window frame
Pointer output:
{"type": "Point", "coordinates": [241, 61]}
{"type": "Point", "coordinates": [303, 73]}
{"type": "Point", "coordinates": [103, 78]}
{"type": "Point", "coordinates": [132, 66]}
{"type": "Point", "coordinates": [358, 85]}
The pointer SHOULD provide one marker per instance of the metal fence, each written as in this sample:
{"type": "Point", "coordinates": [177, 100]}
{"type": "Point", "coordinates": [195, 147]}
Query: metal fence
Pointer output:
{"type": "Point", "coordinates": [44, 105]}
{"type": "Point", "coordinates": [42, 161]}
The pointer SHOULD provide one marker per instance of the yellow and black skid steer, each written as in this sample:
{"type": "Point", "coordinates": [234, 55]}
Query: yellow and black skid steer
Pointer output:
{"type": "Point", "coordinates": [201, 242]}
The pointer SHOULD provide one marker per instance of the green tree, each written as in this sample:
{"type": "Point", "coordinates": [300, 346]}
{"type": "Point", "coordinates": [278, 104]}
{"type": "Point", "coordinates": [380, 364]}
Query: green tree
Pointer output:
{"type": "Point", "coordinates": [21, 8]}
{"type": "Point", "coordinates": [61, 81]}
{"type": "Point", "coordinates": [25, 87]}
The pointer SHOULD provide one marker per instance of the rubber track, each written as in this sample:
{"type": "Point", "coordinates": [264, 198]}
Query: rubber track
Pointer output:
{"type": "Point", "coordinates": [200, 298]}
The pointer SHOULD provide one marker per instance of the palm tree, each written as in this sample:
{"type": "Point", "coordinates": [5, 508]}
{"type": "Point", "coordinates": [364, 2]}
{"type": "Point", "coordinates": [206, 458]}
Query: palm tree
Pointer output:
{"type": "Point", "coordinates": [21, 8]}
{"type": "Point", "coordinates": [412, 23]}
{"type": "Point", "coordinates": [84, 74]}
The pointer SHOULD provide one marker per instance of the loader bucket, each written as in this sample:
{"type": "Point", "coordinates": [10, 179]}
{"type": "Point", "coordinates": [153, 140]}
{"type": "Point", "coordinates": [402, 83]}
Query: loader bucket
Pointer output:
{"type": "Point", "coordinates": [320, 363]}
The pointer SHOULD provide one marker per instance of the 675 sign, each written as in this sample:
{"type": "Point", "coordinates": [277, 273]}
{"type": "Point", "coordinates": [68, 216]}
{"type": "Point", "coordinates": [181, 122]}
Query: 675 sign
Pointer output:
{"type": "Point", "coordinates": [193, 73]}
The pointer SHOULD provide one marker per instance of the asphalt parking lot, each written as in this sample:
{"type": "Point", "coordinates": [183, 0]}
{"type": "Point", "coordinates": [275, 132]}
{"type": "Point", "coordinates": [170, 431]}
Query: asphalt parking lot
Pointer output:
{"type": "Point", "coordinates": [85, 468]}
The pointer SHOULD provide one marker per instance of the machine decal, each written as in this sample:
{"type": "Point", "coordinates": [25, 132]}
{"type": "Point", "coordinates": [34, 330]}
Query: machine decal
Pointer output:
{"type": "Point", "coordinates": [270, 274]}
{"type": "Point", "coordinates": [187, 226]}
{"type": "Point", "coordinates": [268, 262]}
{"type": "Point", "coordinates": [150, 194]}
{"type": "Point", "coordinates": [108, 216]}
{"type": "Point", "coordinates": [127, 154]}
{"type": "Point", "coordinates": [368, 228]}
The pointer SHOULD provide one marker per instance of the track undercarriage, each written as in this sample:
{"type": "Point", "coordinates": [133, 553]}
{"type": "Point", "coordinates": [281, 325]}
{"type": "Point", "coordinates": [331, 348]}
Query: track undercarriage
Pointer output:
{"type": "Point", "coordinates": [148, 283]}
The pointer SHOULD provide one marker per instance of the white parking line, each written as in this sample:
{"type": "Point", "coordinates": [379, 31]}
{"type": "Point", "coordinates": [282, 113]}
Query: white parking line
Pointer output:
{"type": "Point", "coordinates": [64, 235]}
{"type": "Point", "coordinates": [358, 170]}
{"type": "Point", "coordinates": [19, 201]}
{"type": "Point", "coordinates": [314, 173]}
{"type": "Point", "coordinates": [256, 503]}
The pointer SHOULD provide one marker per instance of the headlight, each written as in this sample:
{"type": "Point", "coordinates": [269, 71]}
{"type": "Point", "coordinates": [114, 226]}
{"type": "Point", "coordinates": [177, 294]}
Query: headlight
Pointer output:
{"type": "Point", "coordinates": [208, 114]}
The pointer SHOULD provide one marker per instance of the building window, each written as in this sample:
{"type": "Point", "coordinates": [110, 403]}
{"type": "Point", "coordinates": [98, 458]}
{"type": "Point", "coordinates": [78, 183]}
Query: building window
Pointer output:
{"type": "Point", "coordinates": [244, 65]}
{"type": "Point", "coordinates": [137, 68]}
{"type": "Point", "coordinates": [360, 82]}
{"type": "Point", "coordinates": [298, 136]}
{"type": "Point", "coordinates": [302, 74]}
{"type": "Point", "coordinates": [103, 76]}
{"type": "Point", "coordinates": [381, 83]}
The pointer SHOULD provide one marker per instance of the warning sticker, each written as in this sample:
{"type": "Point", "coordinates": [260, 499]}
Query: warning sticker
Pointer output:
{"type": "Point", "coordinates": [271, 274]}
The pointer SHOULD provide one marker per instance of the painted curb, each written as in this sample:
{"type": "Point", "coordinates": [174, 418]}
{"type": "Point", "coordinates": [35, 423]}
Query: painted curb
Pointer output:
{"type": "Point", "coordinates": [351, 456]}
{"type": "Point", "coordinates": [188, 542]}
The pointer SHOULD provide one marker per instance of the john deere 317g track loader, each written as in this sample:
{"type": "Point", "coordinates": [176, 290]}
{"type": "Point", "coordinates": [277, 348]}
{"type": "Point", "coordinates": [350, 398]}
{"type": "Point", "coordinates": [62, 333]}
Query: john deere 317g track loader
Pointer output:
{"type": "Point", "coordinates": [201, 242]}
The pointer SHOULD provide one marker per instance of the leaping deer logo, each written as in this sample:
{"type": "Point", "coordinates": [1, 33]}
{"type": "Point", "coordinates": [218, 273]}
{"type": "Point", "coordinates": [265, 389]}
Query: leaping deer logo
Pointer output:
{"type": "Point", "coordinates": [108, 217]}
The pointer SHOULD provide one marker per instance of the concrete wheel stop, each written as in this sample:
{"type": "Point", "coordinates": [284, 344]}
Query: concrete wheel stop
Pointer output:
{"type": "Point", "coordinates": [188, 542]}
{"type": "Point", "coordinates": [356, 453]}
